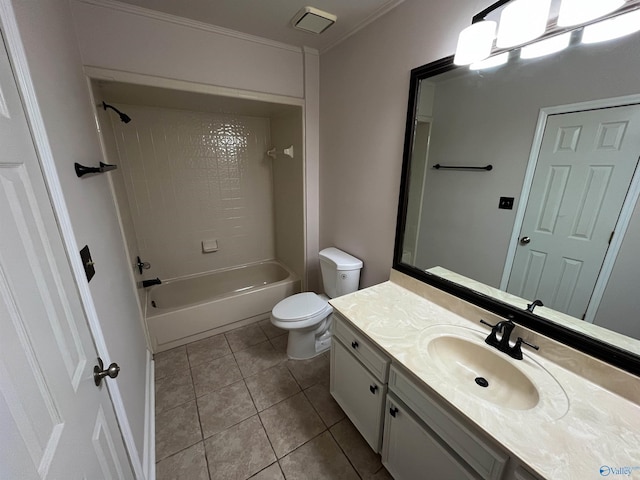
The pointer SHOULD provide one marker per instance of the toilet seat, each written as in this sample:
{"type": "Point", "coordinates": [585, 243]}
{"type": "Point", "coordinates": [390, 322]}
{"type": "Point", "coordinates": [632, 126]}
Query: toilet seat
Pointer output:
{"type": "Point", "coordinates": [300, 311]}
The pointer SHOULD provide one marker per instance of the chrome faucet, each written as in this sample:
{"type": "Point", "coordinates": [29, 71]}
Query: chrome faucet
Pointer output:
{"type": "Point", "coordinates": [505, 328]}
{"type": "Point", "coordinates": [534, 304]}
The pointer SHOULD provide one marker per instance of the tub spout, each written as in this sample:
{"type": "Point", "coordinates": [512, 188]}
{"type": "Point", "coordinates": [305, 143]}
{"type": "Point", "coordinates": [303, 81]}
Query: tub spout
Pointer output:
{"type": "Point", "coordinates": [149, 283]}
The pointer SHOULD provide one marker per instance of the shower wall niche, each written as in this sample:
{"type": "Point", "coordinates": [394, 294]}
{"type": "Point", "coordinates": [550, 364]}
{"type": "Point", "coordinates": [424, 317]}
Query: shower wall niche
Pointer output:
{"type": "Point", "coordinates": [193, 168]}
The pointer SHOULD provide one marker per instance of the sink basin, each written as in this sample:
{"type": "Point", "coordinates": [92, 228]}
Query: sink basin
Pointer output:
{"type": "Point", "coordinates": [483, 372]}
{"type": "Point", "coordinates": [456, 361]}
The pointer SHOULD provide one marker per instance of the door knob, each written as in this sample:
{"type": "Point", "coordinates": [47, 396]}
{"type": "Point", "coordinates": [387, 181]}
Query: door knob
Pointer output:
{"type": "Point", "coordinates": [524, 240]}
{"type": "Point", "coordinates": [98, 372]}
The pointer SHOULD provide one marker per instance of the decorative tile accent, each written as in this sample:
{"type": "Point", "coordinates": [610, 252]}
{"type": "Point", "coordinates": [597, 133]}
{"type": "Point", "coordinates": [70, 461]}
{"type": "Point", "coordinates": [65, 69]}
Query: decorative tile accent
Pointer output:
{"type": "Point", "coordinates": [258, 358]}
{"type": "Point", "coordinates": [324, 404]}
{"type": "Point", "coordinates": [211, 376]}
{"type": "Point", "coordinates": [271, 386]}
{"type": "Point", "coordinates": [320, 459]}
{"type": "Point", "coordinates": [173, 391]}
{"type": "Point", "coordinates": [188, 464]}
{"type": "Point", "coordinates": [242, 338]}
{"type": "Point", "coordinates": [311, 371]}
{"type": "Point", "coordinates": [357, 450]}
{"type": "Point", "coordinates": [224, 408]}
{"type": "Point", "coordinates": [207, 350]}
{"type": "Point", "coordinates": [291, 423]}
{"type": "Point", "coordinates": [177, 429]}
{"type": "Point", "coordinates": [240, 451]}
{"type": "Point", "coordinates": [171, 362]}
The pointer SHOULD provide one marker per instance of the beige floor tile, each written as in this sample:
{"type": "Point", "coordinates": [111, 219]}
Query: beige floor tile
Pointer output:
{"type": "Point", "coordinates": [270, 330]}
{"type": "Point", "coordinates": [173, 390]}
{"type": "Point", "coordinates": [258, 358]}
{"type": "Point", "coordinates": [291, 423]}
{"type": "Point", "coordinates": [189, 464]}
{"type": "Point", "coordinates": [272, 472]}
{"type": "Point", "coordinates": [177, 429]}
{"type": "Point", "coordinates": [280, 343]}
{"type": "Point", "coordinates": [225, 407]}
{"type": "Point", "coordinates": [358, 451]}
{"type": "Point", "coordinates": [170, 362]}
{"type": "Point", "coordinates": [328, 409]}
{"type": "Point", "coordinates": [310, 372]}
{"type": "Point", "coordinates": [239, 452]}
{"type": "Point", "coordinates": [319, 459]}
{"type": "Point", "coordinates": [271, 386]}
{"type": "Point", "coordinates": [207, 350]}
{"type": "Point", "coordinates": [211, 376]}
{"type": "Point", "coordinates": [245, 337]}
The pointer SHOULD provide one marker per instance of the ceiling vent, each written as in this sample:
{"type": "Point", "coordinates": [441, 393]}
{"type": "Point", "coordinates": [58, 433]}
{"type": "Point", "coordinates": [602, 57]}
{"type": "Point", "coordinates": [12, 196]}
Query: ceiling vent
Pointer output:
{"type": "Point", "coordinates": [313, 20]}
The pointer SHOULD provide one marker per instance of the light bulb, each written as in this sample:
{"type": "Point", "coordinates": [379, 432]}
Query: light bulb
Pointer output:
{"type": "Point", "coordinates": [522, 21]}
{"type": "Point", "coordinates": [575, 12]}
{"type": "Point", "coordinates": [475, 43]}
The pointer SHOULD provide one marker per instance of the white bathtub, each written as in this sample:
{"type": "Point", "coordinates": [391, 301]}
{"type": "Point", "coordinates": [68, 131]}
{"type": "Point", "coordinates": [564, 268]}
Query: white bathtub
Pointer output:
{"type": "Point", "coordinates": [186, 309]}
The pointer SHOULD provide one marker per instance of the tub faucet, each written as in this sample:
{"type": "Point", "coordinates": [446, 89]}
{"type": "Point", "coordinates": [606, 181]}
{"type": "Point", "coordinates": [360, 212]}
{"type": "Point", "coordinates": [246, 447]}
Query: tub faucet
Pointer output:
{"type": "Point", "coordinates": [534, 304]}
{"type": "Point", "coordinates": [149, 283]}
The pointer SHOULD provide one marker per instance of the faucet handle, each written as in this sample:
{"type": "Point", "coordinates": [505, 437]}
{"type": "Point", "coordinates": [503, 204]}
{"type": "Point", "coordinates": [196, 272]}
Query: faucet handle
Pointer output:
{"type": "Point", "coordinates": [487, 323]}
{"type": "Point", "coordinates": [521, 340]}
{"type": "Point", "coordinates": [516, 350]}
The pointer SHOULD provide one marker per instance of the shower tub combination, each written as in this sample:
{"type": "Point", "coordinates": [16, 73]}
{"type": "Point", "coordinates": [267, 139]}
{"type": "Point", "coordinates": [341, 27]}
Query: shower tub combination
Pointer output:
{"type": "Point", "coordinates": [191, 308]}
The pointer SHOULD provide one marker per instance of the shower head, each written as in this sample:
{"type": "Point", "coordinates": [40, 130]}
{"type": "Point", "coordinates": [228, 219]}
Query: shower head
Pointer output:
{"type": "Point", "coordinates": [123, 116]}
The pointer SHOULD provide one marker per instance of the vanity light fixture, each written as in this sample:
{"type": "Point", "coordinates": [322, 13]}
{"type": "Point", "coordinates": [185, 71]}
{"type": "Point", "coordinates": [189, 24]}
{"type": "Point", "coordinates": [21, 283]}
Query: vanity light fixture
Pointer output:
{"type": "Point", "coordinates": [612, 28]}
{"type": "Point", "coordinates": [522, 21]}
{"type": "Point", "coordinates": [576, 12]}
{"type": "Point", "coordinates": [491, 62]}
{"type": "Point", "coordinates": [475, 42]}
{"type": "Point", "coordinates": [546, 47]}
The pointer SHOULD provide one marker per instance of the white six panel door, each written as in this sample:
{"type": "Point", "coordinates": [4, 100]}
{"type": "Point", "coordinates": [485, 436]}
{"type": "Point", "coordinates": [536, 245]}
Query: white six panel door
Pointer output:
{"type": "Point", "coordinates": [54, 422]}
{"type": "Point", "coordinates": [585, 166]}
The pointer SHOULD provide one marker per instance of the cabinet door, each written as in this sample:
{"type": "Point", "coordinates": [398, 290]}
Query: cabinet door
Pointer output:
{"type": "Point", "coordinates": [410, 451]}
{"type": "Point", "coordinates": [359, 394]}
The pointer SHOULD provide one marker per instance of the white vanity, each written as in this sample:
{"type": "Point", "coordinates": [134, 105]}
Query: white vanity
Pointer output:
{"type": "Point", "coordinates": [403, 368]}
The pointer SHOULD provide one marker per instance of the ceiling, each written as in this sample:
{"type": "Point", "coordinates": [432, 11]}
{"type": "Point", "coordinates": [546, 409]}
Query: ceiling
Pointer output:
{"type": "Point", "coordinates": [271, 19]}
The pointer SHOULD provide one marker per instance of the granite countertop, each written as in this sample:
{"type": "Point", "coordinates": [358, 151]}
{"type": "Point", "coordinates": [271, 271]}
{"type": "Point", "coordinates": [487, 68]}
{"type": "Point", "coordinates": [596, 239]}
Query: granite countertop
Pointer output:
{"type": "Point", "coordinates": [591, 420]}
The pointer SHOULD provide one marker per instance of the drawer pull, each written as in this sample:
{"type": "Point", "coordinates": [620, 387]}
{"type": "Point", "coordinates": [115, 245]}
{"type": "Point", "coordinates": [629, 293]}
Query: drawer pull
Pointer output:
{"type": "Point", "coordinates": [393, 411]}
{"type": "Point", "coordinates": [373, 388]}
{"type": "Point", "coordinates": [354, 344]}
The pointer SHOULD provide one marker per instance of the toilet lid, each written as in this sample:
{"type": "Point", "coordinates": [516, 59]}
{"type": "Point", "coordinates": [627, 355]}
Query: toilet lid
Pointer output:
{"type": "Point", "coordinates": [301, 307]}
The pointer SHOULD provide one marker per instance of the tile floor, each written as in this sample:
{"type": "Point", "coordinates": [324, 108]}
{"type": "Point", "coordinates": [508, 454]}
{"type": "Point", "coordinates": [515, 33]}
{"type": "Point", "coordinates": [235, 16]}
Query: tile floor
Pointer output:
{"type": "Point", "coordinates": [233, 406]}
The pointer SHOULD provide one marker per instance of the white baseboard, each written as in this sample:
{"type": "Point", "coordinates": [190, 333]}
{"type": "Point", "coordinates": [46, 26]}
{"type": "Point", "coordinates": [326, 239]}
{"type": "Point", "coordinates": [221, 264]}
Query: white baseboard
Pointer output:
{"type": "Point", "coordinates": [149, 460]}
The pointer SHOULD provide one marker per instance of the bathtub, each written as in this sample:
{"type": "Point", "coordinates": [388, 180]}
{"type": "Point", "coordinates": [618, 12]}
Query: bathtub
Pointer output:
{"type": "Point", "coordinates": [186, 309]}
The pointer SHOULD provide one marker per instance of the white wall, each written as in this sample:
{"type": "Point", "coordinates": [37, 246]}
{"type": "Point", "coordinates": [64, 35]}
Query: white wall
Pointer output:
{"type": "Point", "coordinates": [121, 37]}
{"type": "Point", "coordinates": [364, 84]}
{"type": "Point", "coordinates": [196, 176]}
{"type": "Point", "coordinates": [288, 191]}
{"type": "Point", "coordinates": [48, 35]}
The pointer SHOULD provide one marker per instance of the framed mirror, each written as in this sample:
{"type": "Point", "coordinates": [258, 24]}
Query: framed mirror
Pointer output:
{"type": "Point", "coordinates": [521, 182]}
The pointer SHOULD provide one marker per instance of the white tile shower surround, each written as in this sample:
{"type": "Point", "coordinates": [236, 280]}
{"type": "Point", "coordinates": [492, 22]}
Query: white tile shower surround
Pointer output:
{"type": "Point", "coordinates": [233, 406]}
{"type": "Point", "coordinates": [193, 176]}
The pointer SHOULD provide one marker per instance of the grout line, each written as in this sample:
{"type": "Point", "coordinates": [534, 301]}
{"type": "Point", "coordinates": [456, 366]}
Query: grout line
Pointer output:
{"type": "Point", "coordinates": [344, 451]}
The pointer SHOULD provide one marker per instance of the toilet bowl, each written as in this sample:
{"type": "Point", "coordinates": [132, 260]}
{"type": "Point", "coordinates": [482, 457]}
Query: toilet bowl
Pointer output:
{"type": "Point", "coordinates": [307, 315]}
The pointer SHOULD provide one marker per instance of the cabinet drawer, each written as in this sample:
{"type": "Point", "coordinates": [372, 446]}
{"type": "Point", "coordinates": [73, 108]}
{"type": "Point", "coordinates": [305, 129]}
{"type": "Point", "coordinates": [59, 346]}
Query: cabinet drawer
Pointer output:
{"type": "Point", "coordinates": [359, 393]}
{"type": "Point", "coordinates": [363, 349]}
{"type": "Point", "coordinates": [480, 455]}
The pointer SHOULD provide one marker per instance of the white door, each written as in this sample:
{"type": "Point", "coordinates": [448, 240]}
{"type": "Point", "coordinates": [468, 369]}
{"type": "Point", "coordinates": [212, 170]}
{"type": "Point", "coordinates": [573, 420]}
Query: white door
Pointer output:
{"type": "Point", "coordinates": [584, 169]}
{"type": "Point", "coordinates": [54, 422]}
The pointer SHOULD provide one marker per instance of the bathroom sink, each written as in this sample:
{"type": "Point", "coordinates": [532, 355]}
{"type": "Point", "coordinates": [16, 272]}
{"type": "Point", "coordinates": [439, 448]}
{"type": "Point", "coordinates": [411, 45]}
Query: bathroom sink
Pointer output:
{"type": "Point", "coordinates": [463, 363]}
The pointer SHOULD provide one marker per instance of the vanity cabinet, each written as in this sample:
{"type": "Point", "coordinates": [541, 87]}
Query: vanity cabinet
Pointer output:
{"type": "Point", "coordinates": [359, 372]}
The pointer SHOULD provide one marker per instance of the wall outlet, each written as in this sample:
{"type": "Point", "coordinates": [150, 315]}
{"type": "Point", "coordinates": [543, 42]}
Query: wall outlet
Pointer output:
{"type": "Point", "coordinates": [506, 203]}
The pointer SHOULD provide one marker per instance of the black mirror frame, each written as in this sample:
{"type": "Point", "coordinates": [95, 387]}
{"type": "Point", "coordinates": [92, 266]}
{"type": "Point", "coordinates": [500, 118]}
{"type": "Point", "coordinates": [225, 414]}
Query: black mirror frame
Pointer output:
{"type": "Point", "coordinates": [615, 356]}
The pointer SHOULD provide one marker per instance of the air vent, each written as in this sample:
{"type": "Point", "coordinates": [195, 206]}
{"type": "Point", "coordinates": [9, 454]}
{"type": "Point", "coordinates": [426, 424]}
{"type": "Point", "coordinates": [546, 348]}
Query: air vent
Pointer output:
{"type": "Point", "coordinates": [312, 20]}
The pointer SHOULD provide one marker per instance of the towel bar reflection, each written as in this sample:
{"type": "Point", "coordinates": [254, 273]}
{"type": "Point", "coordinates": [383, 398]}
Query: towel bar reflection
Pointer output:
{"type": "Point", "coordinates": [437, 166]}
{"type": "Point", "coordinates": [82, 170]}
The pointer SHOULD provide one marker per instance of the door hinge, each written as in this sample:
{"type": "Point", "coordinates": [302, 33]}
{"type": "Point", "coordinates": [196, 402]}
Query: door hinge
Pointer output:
{"type": "Point", "coordinates": [611, 237]}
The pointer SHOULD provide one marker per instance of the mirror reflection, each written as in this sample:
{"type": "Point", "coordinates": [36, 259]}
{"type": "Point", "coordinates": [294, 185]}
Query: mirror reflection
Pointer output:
{"type": "Point", "coordinates": [556, 217]}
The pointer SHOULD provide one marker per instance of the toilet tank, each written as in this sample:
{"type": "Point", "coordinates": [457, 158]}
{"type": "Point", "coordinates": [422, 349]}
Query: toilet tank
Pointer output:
{"type": "Point", "coordinates": [340, 272]}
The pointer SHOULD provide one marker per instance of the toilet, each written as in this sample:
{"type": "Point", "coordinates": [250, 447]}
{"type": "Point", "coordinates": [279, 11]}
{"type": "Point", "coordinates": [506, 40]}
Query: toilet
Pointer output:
{"type": "Point", "coordinates": [307, 315]}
